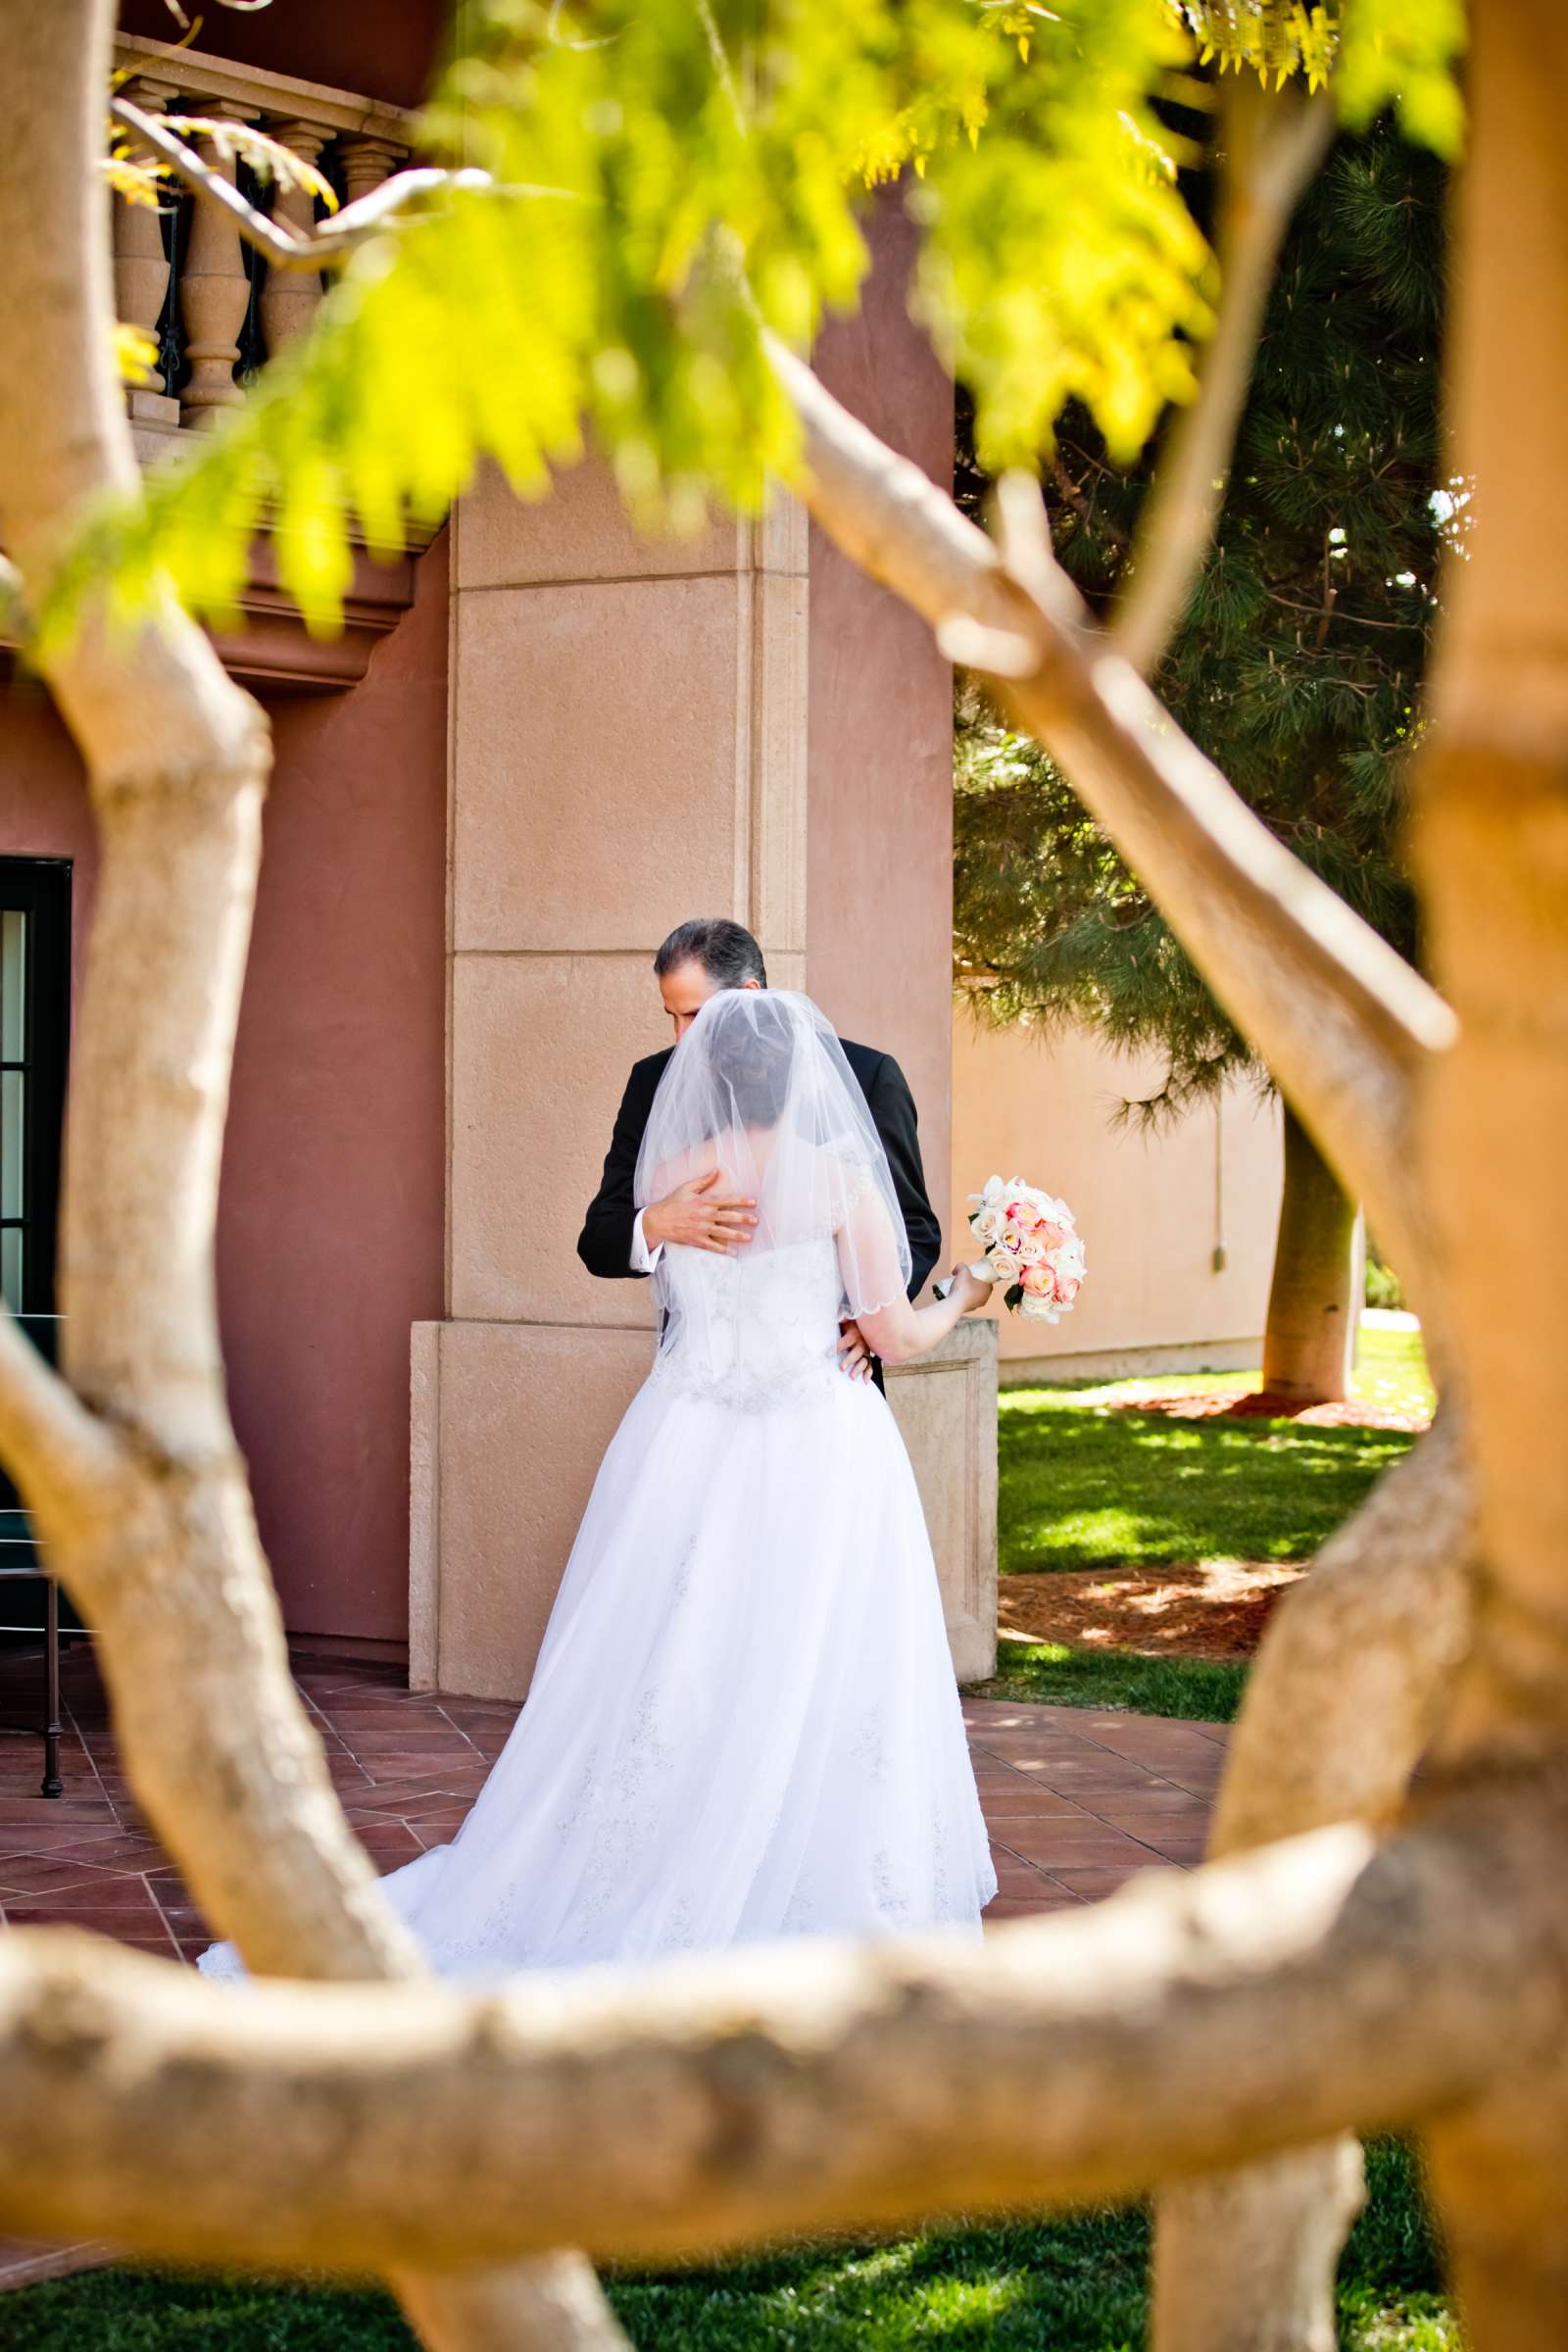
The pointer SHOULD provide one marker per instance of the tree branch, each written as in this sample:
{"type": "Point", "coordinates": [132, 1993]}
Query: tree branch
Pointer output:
{"type": "Point", "coordinates": [1359, 1659]}
{"type": "Point", "coordinates": [1343, 1700]}
{"type": "Point", "coordinates": [63, 1456]}
{"type": "Point", "coordinates": [1344, 1024]}
{"type": "Point", "coordinates": [174, 1581]}
{"type": "Point", "coordinates": [1273, 143]}
{"type": "Point", "coordinates": [335, 238]}
{"type": "Point", "coordinates": [1193, 2020]}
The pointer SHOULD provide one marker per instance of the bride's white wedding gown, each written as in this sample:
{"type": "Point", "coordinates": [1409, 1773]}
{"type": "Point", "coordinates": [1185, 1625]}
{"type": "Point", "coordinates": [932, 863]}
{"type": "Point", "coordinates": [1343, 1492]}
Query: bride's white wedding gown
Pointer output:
{"type": "Point", "coordinates": [743, 1722]}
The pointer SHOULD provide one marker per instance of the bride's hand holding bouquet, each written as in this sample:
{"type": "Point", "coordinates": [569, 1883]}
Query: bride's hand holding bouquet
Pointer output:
{"type": "Point", "coordinates": [970, 1289]}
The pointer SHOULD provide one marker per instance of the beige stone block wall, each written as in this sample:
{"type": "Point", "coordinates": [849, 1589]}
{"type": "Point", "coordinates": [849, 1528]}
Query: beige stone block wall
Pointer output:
{"type": "Point", "coordinates": [631, 727]}
{"type": "Point", "coordinates": [541, 1046]}
{"type": "Point", "coordinates": [627, 748]}
{"type": "Point", "coordinates": [510, 1421]}
{"type": "Point", "coordinates": [946, 1408]}
{"type": "Point", "coordinates": [1154, 1209]}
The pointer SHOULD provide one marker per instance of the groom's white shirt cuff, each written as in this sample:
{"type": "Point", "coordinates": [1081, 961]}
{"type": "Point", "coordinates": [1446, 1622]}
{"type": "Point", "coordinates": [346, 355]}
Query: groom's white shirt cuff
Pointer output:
{"type": "Point", "coordinates": [643, 1259]}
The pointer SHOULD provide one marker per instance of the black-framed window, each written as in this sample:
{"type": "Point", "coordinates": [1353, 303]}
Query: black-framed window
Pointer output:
{"type": "Point", "coordinates": [34, 1033]}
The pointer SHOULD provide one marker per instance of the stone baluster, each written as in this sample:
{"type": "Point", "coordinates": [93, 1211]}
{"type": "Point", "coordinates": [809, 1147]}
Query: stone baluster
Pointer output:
{"type": "Point", "coordinates": [213, 293]}
{"type": "Point", "coordinates": [367, 161]}
{"type": "Point", "coordinates": [289, 296]}
{"type": "Point", "coordinates": [141, 265]}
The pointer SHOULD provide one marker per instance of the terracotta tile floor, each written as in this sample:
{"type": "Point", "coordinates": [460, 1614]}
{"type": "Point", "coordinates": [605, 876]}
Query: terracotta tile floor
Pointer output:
{"type": "Point", "coordinates": [1077, 1803]}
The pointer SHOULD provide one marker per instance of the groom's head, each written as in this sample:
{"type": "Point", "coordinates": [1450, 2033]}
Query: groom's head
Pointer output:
{"type": "Point", "coordinates": [700, 958]}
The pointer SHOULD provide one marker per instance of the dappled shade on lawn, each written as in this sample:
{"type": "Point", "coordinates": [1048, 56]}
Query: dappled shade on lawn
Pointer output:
{"type": "Point", "coordinates": [1073, 2283]}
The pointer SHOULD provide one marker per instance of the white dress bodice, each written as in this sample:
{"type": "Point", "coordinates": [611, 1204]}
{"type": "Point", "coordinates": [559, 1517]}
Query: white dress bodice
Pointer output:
{"type": "Point", "coordinates": [754, 1331]}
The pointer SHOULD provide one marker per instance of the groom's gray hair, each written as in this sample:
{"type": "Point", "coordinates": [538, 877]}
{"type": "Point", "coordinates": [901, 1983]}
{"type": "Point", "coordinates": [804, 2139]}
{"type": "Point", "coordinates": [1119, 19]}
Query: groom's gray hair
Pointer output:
{"type": "Point", "coordinates": [726, 951]}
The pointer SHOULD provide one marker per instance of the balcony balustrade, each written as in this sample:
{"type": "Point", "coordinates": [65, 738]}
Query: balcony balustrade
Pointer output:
{"type": "Point", "coordinates": [183, 275]}
{"type": "Point", "coordinates": [217, 312]}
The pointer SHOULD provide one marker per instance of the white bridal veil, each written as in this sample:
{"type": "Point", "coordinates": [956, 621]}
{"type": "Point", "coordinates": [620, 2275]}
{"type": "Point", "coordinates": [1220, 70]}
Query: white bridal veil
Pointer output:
{"type": "Point", "coordinates": [759, 1089]}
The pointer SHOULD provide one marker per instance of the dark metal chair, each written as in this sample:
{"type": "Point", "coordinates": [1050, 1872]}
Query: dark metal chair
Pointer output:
{"type": "Point", "coordinates": [22, 1562]}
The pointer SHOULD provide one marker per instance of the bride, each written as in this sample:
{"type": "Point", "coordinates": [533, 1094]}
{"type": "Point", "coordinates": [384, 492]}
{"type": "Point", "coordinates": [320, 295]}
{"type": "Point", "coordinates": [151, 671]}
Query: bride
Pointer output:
{"type": "Point", "coordinates": [743, 1722]}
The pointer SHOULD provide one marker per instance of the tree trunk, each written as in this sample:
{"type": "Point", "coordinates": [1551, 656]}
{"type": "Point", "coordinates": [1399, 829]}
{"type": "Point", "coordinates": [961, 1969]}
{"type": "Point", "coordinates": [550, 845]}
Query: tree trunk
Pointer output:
{"type": "Point", "coordinates": [133, 1473]}
{"type": "Point", "coordinates": [1311, 1335]}
{"type": "Point", "coordinates": [1246, 2262]}
{"type": "Point", "coordinates": [1352, 1679]}
{"type": "Point", "coordinates": [1490, 844]}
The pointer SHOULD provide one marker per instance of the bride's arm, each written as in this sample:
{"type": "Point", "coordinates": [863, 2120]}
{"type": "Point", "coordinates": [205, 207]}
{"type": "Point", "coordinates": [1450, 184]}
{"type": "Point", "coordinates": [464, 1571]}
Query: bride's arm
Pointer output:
{"type": "Point", "coordinates": [874, 1282]}
{"type": "Point", "coordinates": [899, 1331]}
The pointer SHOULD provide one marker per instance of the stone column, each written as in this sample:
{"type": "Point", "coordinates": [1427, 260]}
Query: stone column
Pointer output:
{"type": "Point", "coordinates": [627, 748]}
{"type": "Point", "coordinates": [880, 896]}
{"type": "Point", "coordinates": [289, 297]}
{"type": "Point", "coordinates": [367, 161]}
{"type": "Point", "coordinates": [141, 265]}
{"type": "Point", "coordinates": [629, 733]}
{"type": "Point", "coordinates": [213, 295]}
{"type": "Point", "coordinates": [946, 1406]}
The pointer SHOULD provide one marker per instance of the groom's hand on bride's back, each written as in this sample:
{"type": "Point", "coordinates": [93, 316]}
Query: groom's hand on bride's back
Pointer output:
{"type": "Point", "coordinates": [699, 1217]}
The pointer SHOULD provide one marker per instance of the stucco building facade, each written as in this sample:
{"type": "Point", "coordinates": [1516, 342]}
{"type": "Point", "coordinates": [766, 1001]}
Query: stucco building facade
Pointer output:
{"type": "Point", "coordinates": [539, 743]}
{"type": "Point", "coordinates": [1179, 1224]}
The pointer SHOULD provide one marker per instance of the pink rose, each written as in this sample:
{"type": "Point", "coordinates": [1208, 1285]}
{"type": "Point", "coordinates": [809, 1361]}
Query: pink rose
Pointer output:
{"type": "Point", "coordinates": [1039, 1280]}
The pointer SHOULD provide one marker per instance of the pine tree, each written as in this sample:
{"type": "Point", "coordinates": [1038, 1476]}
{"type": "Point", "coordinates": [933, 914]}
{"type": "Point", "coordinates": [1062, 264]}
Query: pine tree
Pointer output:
{"type": "Point", "coordinates": [1298, 670]}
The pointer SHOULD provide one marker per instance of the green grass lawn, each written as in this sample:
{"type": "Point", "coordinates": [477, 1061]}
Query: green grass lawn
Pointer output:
{"type": "Point", "coordinates": [1051, 1674]}
{"type": "Point", "coordinates": [1071, 2286]}
{"type": "Point", "coordinates": [1087, 1480]}
{"type": "Point", "coordinates": [1090, 1482]}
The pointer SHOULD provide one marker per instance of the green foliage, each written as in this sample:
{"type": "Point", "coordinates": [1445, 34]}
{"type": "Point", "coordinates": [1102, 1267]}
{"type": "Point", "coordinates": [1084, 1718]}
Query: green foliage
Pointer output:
{"type": "Point", "coordinates": [669, 176]}
{"type": "Point", "coordinates": [1298, 667]}
{"type": "Point", "coordinates": [1378, 53]}
{"type": "Point", "coordinates": [1383, 1286]}
{"type": "Point", "coordinates": [665, 182]}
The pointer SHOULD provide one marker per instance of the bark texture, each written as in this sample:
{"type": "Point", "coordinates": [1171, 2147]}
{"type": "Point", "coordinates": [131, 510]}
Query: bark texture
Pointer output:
{"type": "Point", "coordinates": [1492, 859]}
{"type": "Point", "coordinates": [1193, 2021]}
{"type": "Point", "coordinates": [1308, 1341]}
{"type": "Point", "coordinates": [1345, 1693]}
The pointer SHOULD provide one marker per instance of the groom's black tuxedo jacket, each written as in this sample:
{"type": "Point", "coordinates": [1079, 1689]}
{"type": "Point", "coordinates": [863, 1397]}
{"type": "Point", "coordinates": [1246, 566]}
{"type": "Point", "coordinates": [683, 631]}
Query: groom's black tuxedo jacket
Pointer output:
{"type": "Point", "coordinates": [605, 1243]}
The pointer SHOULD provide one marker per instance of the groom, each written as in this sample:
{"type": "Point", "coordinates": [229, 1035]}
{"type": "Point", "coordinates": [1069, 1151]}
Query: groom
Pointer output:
{"type": "Point", "coordinates": [617, 1240]}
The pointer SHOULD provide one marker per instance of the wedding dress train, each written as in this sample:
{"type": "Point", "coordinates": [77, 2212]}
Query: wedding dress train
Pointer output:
{"type": "Point", "coordinates": [743, 1722]}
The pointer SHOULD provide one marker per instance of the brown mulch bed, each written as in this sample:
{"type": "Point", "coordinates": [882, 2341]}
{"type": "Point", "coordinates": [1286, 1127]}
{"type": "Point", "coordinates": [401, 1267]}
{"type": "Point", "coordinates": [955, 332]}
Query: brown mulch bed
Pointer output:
{"type": "Point", "coordinates": [1220, 1404]}
{"type": "Point", "coordinates": [1204, 1609]}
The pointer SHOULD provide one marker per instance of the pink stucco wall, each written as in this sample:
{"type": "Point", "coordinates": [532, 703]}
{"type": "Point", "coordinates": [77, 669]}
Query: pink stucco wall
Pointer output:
{"type": "Point", "coordinates": [330, 1240]}
{"type": "Point", "coordinates": [330, 1209]}
{"type": "Point", "coordinates": [879, 858]}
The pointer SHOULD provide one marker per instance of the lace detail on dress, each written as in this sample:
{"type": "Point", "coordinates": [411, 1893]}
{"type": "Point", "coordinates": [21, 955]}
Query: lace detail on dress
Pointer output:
{"type": "Point", "coordinates": [752, 1334]}
{"type": "Point", "coordinates": [870, 1745]}
{"type": "Point", "coordinates": [620, 1810]}
{"type": "Point", "coordinates": [749, 1391]}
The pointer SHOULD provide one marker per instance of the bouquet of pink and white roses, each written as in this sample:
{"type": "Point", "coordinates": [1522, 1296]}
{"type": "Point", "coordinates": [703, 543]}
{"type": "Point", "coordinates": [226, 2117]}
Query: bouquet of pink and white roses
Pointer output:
{"type": "Point", "coordinates": [1032, 1245]}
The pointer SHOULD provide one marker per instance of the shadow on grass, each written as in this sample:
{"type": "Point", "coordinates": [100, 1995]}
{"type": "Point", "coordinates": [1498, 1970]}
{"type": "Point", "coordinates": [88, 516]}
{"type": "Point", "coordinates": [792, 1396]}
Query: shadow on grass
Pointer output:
{"type": "Point", "coordinates": [1072, 2285]}
{"type": "Point", "coordinates": [1092, 1486]}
